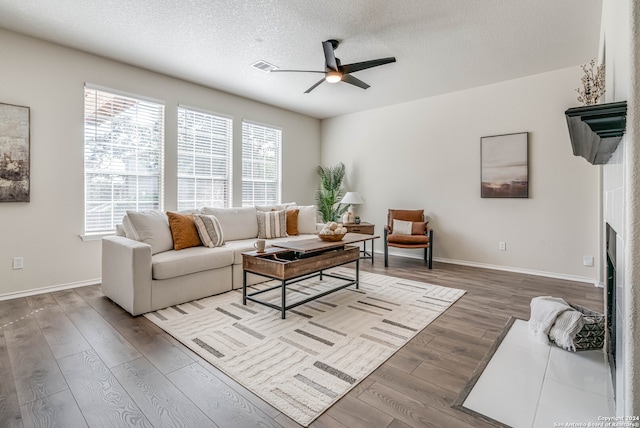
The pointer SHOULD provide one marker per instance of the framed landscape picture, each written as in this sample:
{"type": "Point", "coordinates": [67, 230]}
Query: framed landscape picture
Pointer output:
{"type": "Point", "coordinates": [505, 166]}
{"type": "Point", "coordinates": [14, 153]}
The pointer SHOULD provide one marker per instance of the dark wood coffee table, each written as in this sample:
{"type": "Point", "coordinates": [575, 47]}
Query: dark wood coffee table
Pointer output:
{"type": "Point", "coordinates": [295, 261]}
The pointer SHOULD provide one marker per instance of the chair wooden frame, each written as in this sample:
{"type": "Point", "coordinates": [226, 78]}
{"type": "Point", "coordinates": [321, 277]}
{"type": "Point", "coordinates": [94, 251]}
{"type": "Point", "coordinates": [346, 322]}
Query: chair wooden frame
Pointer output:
{"type": "Point", "coordinates": [428, 247]}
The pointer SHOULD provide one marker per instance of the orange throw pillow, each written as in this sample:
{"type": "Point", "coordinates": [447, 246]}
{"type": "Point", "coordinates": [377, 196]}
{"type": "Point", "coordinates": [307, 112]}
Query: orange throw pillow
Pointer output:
{"type": "Point", "coordinates": [183, 230]}
{"type": "Point", "coordinates": [292, 222]}
{"type": "Point", "coordinates": [418, 227]}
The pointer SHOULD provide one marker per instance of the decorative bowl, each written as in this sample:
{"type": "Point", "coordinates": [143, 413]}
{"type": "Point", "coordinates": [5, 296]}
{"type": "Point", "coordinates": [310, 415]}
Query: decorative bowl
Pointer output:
{"type": "Point", "coordinates": [331, 238]}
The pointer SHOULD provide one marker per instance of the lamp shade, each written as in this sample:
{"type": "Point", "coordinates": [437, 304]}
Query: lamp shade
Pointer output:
{"type": "Point", "coordinates": [352, 198]}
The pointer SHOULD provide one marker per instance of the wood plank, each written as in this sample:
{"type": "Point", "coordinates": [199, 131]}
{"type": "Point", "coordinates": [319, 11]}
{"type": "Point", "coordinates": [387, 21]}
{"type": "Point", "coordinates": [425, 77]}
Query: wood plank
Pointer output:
{"type": "Point", "coordinates": [10, 415]}
{"type": "Point", "coordinates": [35, 370]}
{"type": "Point", "coordinates": [452, 380]}
{"type": "Point", "coordinates": [161, 402]}
{"type": "Point", "coordinates": [57, 410]}
{"type": "Point", "coordinates": [102, 400]}
{"type": "Point", "coordinates": [61, 334]}
{"type": "Point", "coordinates": [409, 410]}
{"type": "Point", "coordinates": [149, 339]}
{"type": "Point", "coordinates": [217, 400]}
{"type": "Point", "coordinates": [355, 413]}
{"type": "Point", "coordinates": [112, 348]}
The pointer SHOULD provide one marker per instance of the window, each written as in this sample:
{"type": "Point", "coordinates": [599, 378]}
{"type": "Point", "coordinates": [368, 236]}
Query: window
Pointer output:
{"type": "Point", "coordinates": [204, 160]}
{"type": "Point", "coordinates": [261, 164]}
{"type": "Point", "coordinates": [123, 157]}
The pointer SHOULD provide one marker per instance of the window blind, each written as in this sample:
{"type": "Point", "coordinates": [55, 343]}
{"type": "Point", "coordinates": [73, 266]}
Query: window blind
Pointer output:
{"type": "Point", "coordinates": [261, 164]}
{"type": "Point", "coordinates": [123, 157]}
{"type": "Point", "coordinates": [204, 159]}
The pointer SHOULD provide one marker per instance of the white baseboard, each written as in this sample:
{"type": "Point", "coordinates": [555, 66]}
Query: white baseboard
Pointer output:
{"type": "Point", "coordinates": [503, 268]}
{"type": "Point", "coordinates": [52, 288]}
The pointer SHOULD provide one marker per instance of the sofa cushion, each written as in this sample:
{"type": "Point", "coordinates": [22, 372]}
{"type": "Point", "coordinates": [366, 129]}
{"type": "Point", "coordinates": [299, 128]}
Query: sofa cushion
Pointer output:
{"type": "Point", "coordinates": [152, 227]}
{"type": "Point", "coordinates": [406, 215]}
{"type": "Point", "coordinates": [271, 224]}
{"type": "Point", "coordinates": [183, 230]}
{"type": "Point", "coordinates": [307, 218]}
{"type": "Point", "coordinates": [236, 223]}
{"type": "Point", "coordinates": [278, 207]}
{"type": "Point", "coordinates": [408, 239]}
{"type": "Point", "coordinates": [171, 264]}
{"type": "Point", "coordinates": [209, 230]}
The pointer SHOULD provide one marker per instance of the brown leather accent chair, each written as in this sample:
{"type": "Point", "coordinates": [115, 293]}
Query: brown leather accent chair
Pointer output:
{"type": "Point", "coordinates": [421, 234]}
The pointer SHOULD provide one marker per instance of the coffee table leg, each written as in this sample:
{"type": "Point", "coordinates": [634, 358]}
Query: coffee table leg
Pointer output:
{"type": "Point", "coordinates": [244, 287]}
{"type": "Point", "coordinates": [372, 252]}
{"type": "Point", "coordinates": [357, 274]}
{"type": "Point", "coordinates": [284, 299]}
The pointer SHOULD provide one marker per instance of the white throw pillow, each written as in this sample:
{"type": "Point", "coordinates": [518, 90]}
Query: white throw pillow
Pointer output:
{"type": "Point", "coordinates": [209, 230]}
{"type": "Point", "coordinates": [307, 219]}
{"type": "Point", "coordinates": [271, 224]}
{"type": "Point", "coordinates": [236, 223]}
{"type": "Point", "coordinates": [152, 227]}
{"type": "Point", "coordinates": [129, 231]}
{"type": "Point", "coordinates": [401, 227]}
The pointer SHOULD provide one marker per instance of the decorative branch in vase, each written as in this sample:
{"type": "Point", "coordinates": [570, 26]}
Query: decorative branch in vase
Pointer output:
{"type": "Point", "coordinates": [592, 84]}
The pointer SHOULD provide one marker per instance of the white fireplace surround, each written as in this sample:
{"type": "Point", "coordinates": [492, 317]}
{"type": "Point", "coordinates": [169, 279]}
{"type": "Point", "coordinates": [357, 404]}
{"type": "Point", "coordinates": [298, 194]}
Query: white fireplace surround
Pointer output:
{"type": "Point", "coordinates": [621, 192]}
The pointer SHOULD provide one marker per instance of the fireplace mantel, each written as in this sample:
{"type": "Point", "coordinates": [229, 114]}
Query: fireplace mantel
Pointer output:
{"type": "Point", "coordinates": [596, 130]}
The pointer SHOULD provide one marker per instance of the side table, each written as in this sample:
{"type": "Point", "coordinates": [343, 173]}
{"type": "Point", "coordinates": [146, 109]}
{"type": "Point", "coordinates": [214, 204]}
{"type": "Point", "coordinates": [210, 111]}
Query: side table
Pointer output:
{"type": "Point", "coordinates": [364, 228]}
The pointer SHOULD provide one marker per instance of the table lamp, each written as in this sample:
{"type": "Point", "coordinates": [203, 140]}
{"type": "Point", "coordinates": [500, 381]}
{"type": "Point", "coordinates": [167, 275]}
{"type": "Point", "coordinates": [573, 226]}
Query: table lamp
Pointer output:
{"type": "Point", "coordinates": [351, 199]}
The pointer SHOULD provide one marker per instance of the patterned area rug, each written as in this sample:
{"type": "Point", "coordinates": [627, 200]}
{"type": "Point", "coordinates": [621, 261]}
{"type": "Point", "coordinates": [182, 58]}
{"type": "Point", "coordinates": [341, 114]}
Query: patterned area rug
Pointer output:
{"type": "Point", "coordinates": [305, 363]}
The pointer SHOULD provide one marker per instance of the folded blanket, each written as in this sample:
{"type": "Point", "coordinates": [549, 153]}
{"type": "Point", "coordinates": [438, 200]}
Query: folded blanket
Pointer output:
{"type": "Point", "coordinates": [544, 312]}
{"type": "Point", "coordinates": [564, 330]}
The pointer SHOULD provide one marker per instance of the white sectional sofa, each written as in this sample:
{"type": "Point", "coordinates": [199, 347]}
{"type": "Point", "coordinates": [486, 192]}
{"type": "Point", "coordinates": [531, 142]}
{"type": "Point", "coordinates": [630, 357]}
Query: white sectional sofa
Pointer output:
{"type": "Point", "coordinates": [142, 272]}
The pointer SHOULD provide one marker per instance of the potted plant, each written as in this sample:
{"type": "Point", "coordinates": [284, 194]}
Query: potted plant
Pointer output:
{"type": "Point", "coordinates": [356, 219]}
{"type": "Point", "coordinates": [330, 192]}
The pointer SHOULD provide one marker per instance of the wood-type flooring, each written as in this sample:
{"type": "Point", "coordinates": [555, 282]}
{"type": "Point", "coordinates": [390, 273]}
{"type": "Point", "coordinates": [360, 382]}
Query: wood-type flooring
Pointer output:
{"type": "Point", "coordinates": [74, 359]}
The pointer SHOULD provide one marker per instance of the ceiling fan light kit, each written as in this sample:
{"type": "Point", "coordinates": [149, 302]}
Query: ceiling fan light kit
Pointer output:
{"type": "Point", "coordinates": [336, 72]}
{"type": "Point", "coordinates": [333, 76]}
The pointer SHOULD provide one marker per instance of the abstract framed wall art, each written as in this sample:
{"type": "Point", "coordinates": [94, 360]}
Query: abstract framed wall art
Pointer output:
{"type": "Point", "coordinates": [505, 166]}
{"type": "Point", "coordinates": [14, 153]}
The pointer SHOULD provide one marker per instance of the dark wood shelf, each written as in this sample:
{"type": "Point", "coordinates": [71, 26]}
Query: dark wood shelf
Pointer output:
{"type": "Point", "coordinates": [596, 130]}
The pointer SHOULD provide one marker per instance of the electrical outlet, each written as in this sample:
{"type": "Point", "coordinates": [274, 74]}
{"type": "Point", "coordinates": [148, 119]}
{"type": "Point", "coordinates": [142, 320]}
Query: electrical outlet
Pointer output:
{"type": "Point", "coordinates": [587, 260]}
{"type": "Point", "coordinates": [18, 263]}
{"type": "Point", "coordinates": [502, 246]}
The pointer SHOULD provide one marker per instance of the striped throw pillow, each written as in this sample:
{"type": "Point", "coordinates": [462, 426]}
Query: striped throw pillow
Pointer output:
{"type": "Point", "coordinates": [209, 230]}
{"type": "Point", "coordinates": [272, 224]}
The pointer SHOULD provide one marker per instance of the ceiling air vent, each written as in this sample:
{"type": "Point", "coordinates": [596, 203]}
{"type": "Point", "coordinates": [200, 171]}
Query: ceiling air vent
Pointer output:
{"type": "Point", "coordinates": [263, 66]}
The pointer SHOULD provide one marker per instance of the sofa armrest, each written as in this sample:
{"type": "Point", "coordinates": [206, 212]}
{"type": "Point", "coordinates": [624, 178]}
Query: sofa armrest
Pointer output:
{"type": "Point", "coordinates": [126, 273]}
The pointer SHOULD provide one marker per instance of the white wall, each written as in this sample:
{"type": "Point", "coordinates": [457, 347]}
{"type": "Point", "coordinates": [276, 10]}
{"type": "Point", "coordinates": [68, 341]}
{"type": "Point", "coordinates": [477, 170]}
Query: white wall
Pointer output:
{"type": "Point", "coordinates": [50, 79]}
{"type": "Point", "coordinates": [426, 154]}
{"type": "Point", "coordinates": [621, 189]}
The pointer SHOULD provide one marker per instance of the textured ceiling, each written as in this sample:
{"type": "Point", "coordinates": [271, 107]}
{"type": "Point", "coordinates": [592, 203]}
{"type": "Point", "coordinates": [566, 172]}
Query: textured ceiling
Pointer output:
{"type": "Point", "coordinates": [441, 45]}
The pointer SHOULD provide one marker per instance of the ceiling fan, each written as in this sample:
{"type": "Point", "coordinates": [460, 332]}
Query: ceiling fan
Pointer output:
{"type": "Point", "coordinates": [335, 71]}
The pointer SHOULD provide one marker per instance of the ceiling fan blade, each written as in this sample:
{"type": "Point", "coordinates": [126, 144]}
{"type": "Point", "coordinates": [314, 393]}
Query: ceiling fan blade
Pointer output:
{"type": "Point", "coordinates": [296, 71]}
{"type": "Point", "coordinates": [347, 78]}
{"type": "Point", "coordinates": [314, 86]}
{"type": "Point", "coordinates": [329, 55]}
{"type": "Point", "coordinates": [357, 66]}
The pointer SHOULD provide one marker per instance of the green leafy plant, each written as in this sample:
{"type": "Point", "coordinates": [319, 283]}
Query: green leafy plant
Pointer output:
{"type": "Point", "coordinates": [330, 192]}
